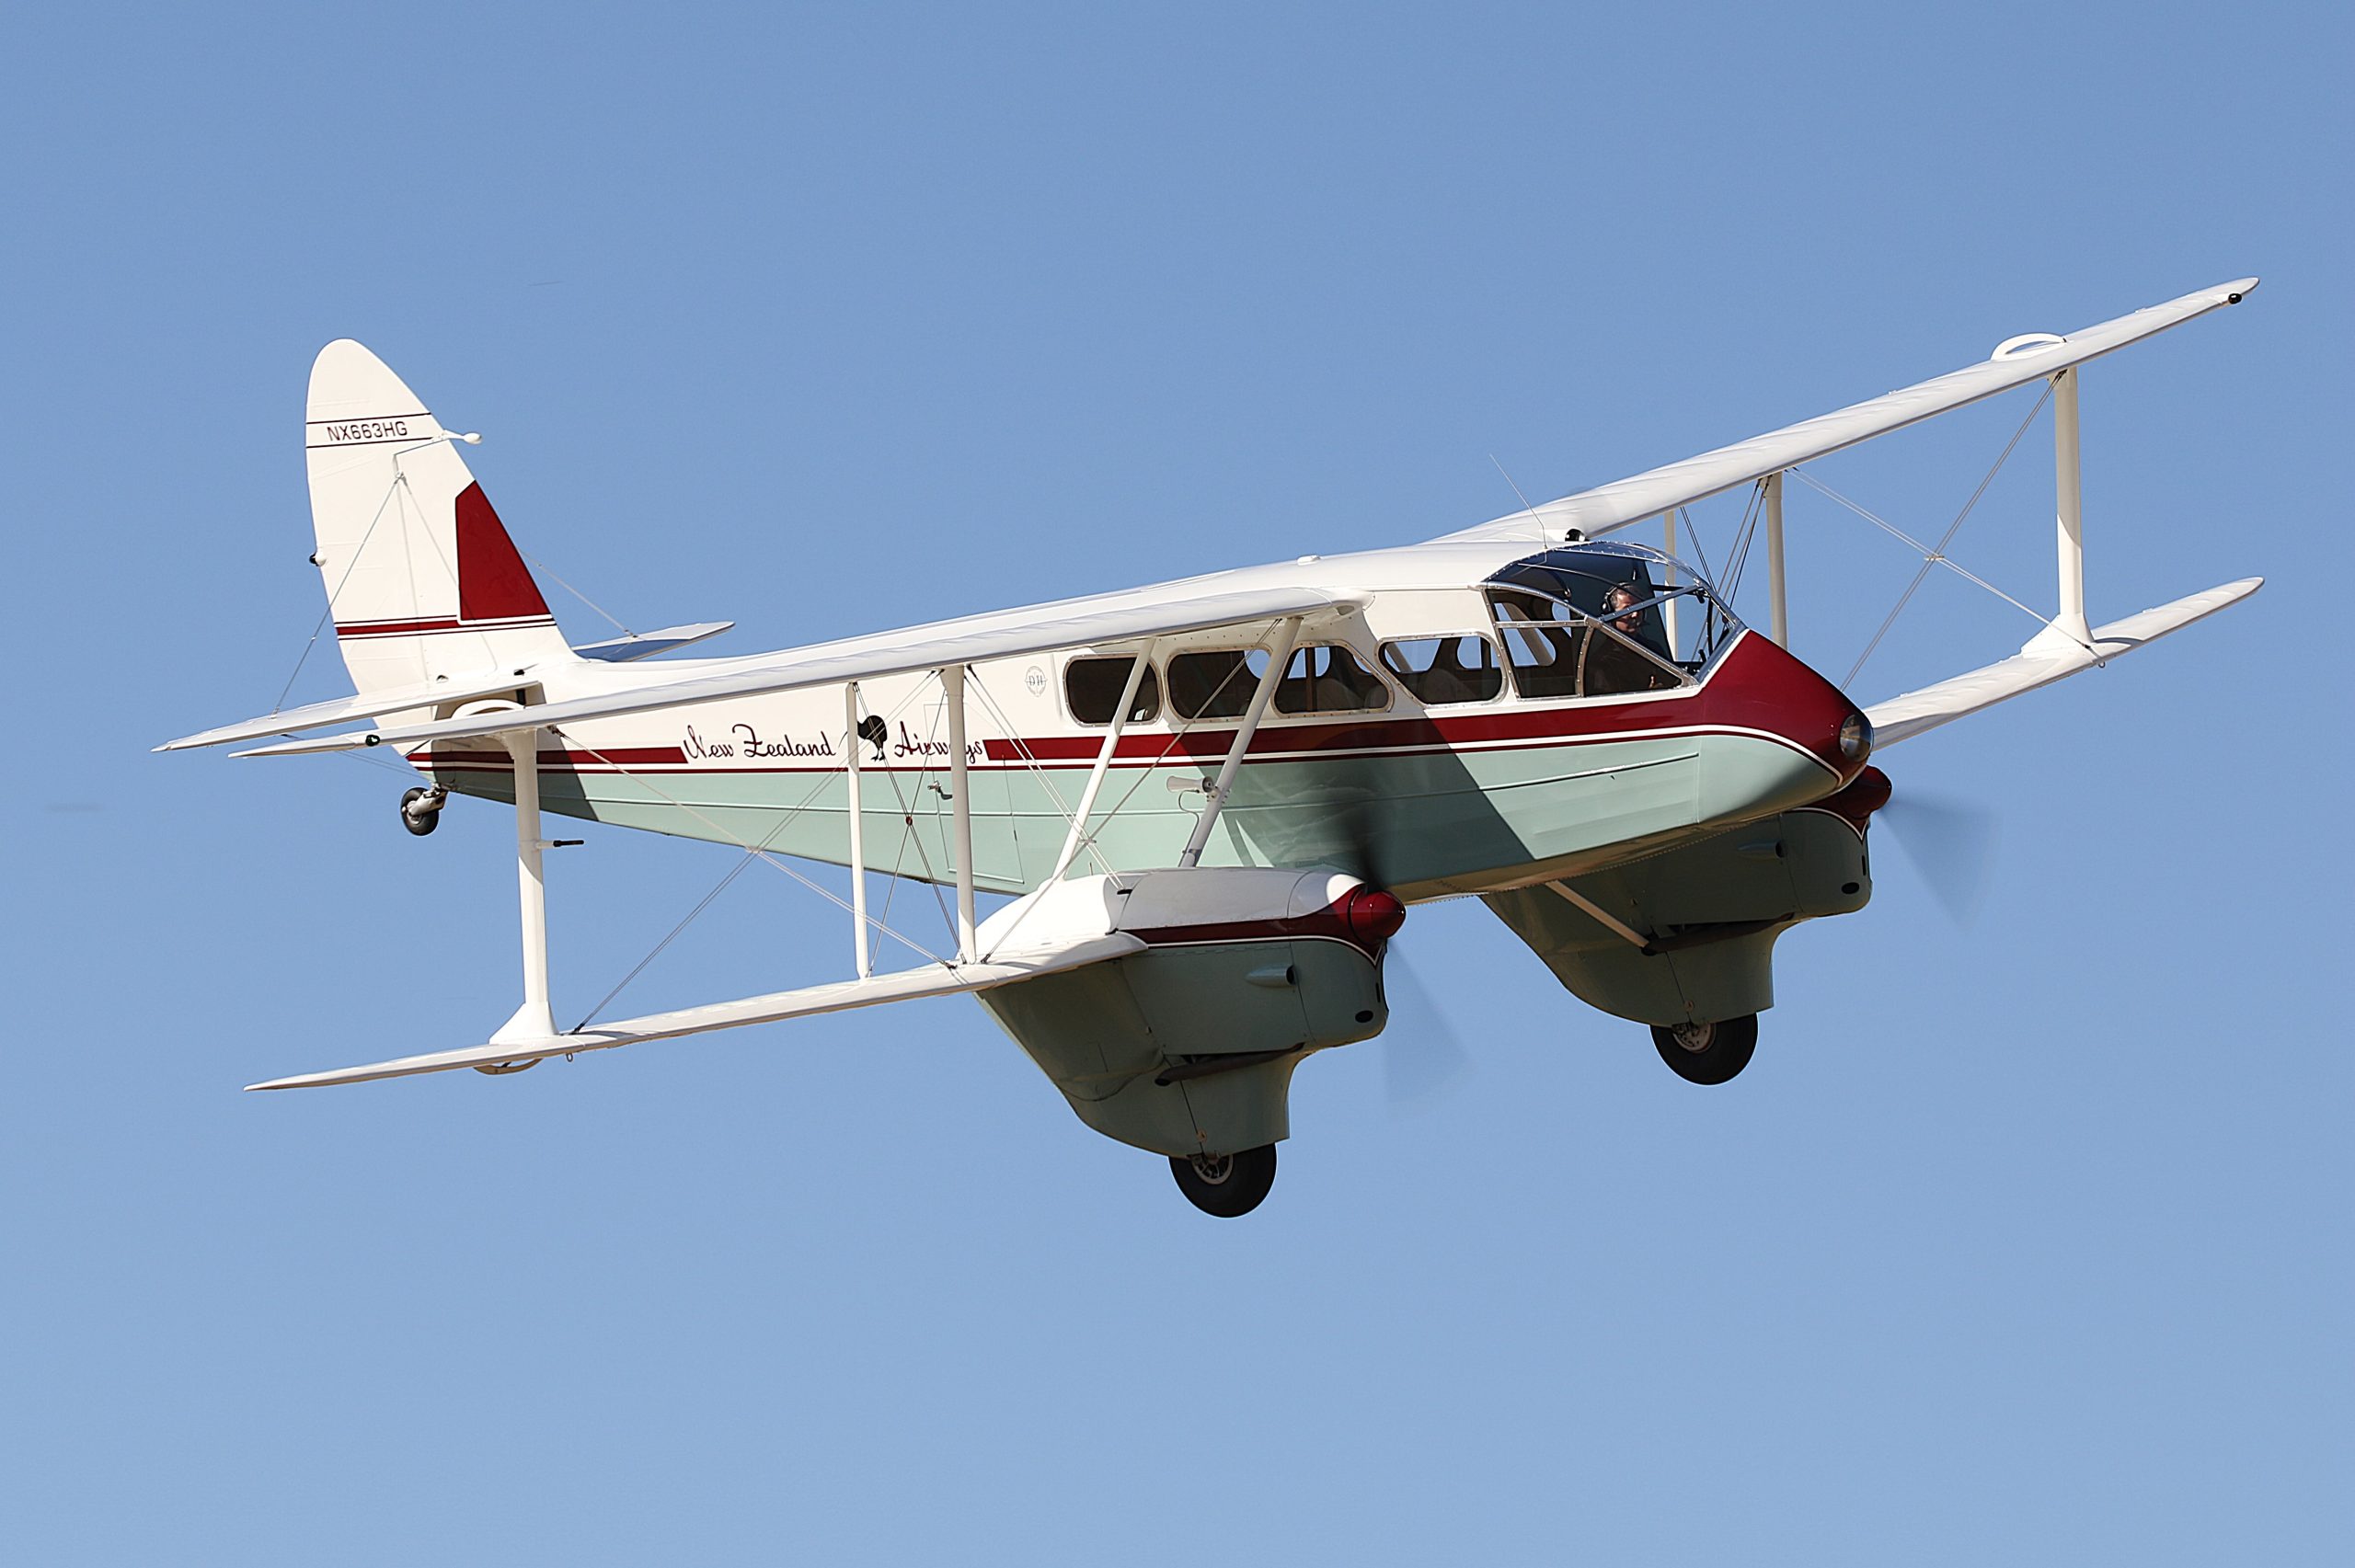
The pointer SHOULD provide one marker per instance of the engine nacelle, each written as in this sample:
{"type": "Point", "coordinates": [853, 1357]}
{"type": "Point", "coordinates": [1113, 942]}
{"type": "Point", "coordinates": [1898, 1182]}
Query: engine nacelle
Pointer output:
{"type": "Point", "coordinates": [1189, 1046]}
{"type": "Point", "coordinates": [1713, 911]}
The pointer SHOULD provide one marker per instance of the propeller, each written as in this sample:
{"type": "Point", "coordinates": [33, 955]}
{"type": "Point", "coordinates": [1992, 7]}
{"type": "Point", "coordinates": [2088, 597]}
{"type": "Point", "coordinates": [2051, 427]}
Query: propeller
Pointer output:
{"type": "Point", "coordinates": [1423, 1059]}
{"type": "Point", "coordinates": [1951, 842]}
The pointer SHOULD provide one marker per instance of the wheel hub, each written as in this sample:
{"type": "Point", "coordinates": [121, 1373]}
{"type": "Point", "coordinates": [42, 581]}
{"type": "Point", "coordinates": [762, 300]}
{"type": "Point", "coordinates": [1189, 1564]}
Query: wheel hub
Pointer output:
{"type": "Point", "coordinates": [1695, 1036]}
{"type": "Point", "coordinates": [1212, 1170]}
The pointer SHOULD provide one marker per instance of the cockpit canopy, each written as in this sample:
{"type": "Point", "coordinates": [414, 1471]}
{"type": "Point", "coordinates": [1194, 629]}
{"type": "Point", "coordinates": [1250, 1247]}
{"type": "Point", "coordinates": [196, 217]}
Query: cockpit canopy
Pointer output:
{"type": "Point", "coordinates": [1587, 620]}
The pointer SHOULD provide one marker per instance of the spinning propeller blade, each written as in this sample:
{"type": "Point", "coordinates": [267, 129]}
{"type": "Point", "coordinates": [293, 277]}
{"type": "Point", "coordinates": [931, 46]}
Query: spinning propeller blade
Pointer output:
{"type": "Point", "coordinates": [1422, 1058]}
{"type": "Point", "coordinates": [1951, 842]}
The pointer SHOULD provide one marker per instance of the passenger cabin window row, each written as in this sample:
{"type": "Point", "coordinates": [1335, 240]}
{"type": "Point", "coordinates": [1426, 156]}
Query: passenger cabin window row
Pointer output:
{"type": "Point", "coordinates": [1552, 654]}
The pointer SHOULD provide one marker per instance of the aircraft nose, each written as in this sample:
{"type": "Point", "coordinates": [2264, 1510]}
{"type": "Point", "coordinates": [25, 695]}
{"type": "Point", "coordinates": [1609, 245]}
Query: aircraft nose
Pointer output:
{"type": "Point", "coordinates": [1813, 740]}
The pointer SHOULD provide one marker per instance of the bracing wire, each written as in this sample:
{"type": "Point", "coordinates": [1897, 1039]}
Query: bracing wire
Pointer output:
{"type": "Point", "coordinates": [321, 625]}
{"type": "Point", "coordinates": [1742, 538]}
{"type": "Point", "coordinates": [1699, 551]}
{"type": "Point", "coordinates": [1030, 759]}
{"type": "Point", "coordinates": [759, 850]}
{"type": "Point", "coordinates": [541, 567]}
{"type": "Point", "coordinates": [1938, 557]}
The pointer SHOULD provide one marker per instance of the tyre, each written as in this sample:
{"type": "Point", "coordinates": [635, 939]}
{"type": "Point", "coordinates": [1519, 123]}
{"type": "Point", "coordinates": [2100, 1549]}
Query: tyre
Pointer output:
{"type": "Point", "coordinates": [416, 822]}
{"type": "Point", "coordinates": [1707, 1053]}
{"type": "Point", "coordinates": [1228, 1185]}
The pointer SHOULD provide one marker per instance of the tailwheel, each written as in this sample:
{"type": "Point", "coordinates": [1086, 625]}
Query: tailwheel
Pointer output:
{"type": "Point", "coordinates": [1228, 1185]}
{"type": "Point", "coordinates": [421, 809]}
{"type": "Point", "coordinates": [1707, 1053]}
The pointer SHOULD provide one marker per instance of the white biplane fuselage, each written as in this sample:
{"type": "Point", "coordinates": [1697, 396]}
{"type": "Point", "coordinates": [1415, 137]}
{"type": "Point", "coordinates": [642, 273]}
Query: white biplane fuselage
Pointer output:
{"type": "Point", "coordinates": [1473, 786]}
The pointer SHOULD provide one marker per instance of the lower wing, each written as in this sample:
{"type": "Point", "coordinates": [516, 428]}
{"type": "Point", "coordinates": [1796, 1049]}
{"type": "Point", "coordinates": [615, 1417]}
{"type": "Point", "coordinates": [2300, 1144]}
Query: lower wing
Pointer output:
{"type": "Point", "coordinates": [2050, 656]}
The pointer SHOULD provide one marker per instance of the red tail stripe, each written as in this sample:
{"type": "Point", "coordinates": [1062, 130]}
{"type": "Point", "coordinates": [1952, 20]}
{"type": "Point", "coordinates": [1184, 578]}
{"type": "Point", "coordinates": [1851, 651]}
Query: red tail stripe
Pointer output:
{"type": "Point", "coordinates": [434, 624]}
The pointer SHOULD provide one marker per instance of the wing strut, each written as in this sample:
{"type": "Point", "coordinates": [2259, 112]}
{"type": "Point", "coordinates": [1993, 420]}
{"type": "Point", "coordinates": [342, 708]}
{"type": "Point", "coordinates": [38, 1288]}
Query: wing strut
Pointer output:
{"type": "Point", "coordinates": [1778, 601]}
{"type": "Point", "coordinates": [1077, 837]}
{"type": "Point", "coordinates": [2068, 480]}
{"type": "Point", "coordinates": [852, 743]}
{"type": "Point", "coordinates": [1287, 634]}
{"type": "Point", "coordinates": [1667, 579]}
{"type": "Point", "coordinates": [961, 808]}
{"type": "Point", "coordinates": [532, 1021]}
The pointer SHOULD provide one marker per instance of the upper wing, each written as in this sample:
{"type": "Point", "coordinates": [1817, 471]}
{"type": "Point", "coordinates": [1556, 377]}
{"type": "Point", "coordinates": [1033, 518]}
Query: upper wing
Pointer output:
{"type": "Point", "coordinates": [1004, 635]}
{"type": "Point", "coordinates": [2047, 658]}
{"type": "Point", "coordinates": [1630, 500]}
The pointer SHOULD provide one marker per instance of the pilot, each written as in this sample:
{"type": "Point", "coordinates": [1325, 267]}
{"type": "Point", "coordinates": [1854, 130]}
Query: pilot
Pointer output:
{"type": "Point", "coordinates": [1611, 666]}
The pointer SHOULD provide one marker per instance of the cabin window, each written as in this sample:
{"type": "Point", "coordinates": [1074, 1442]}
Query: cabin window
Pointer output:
{"type": "Point", "coordinates": [1322, 678]}
{"type": "Point", "coordinates": [1542, 643]}
{"type": "Point", "coordinates": [1093, 688]}
{"type": "Point", "coordinates": [1611, 666]}
{"type": "Point", "coordinates": [1554, 654]}
{"type": "Point", "coordinates": [1215, 685]}
{"type": "Point", "coordinates": [1438, 670]}
{"type": "Point", "coordinates": [1326, 678]}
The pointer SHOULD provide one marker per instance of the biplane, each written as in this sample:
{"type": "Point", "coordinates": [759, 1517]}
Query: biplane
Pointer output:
{"type": "Point", "coordinates": [1207, 805]}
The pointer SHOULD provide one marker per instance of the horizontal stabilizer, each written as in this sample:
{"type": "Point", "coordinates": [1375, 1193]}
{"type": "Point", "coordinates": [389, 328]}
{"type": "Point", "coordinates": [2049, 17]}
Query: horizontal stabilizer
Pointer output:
{"type": "Point", "coordinates": [370, 704]}
{"type": "Point", "coordinates": [938, 979]}
{"type": "Point", "coordinates": [2048, 657]}
{"type": "Point", "coordinates": [1110, 619]}
{"type": "Point", "coordinates": [646, 645]}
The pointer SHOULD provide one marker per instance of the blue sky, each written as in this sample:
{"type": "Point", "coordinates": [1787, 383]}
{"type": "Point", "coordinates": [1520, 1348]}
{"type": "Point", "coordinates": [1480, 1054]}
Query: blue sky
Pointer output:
{"type": "Point", "coordinates": [2024, 1239]}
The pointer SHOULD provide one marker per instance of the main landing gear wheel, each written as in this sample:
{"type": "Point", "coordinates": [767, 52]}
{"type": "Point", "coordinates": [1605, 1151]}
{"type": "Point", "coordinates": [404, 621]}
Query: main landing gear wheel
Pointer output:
{"type": "Point", "coordinates": [1228, 1185]}
{"type": "Point", "coordinates": [421, 809]}
{"type": "Point", "coordinates": [1708, 1053]}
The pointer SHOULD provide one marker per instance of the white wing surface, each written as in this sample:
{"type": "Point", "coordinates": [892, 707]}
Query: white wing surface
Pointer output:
{"type": "Point", "coordinates": [1007, 635]}
{"type": "Point", "coordinates": [370, 704]}
{"type": "Point", "coordinates": [1631, 500]}
{"type": "Point", "coordinates": [2048, 657]}
{"type": "Point", "coordinates": [939, 979]}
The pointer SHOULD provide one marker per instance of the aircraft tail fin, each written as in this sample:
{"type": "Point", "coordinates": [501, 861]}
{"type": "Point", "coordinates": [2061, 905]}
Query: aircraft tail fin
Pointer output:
{"type": "Point", "coordinates": [421, 579]}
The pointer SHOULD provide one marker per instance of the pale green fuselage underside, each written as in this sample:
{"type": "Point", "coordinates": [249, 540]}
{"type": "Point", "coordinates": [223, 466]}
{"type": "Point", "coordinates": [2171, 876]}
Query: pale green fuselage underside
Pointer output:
{"type": "Point", "coordinates": [1424, 825]}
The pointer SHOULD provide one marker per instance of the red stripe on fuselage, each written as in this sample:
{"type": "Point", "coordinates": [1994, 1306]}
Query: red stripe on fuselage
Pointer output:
{"type": "Point", "coordinates": [498, 761]}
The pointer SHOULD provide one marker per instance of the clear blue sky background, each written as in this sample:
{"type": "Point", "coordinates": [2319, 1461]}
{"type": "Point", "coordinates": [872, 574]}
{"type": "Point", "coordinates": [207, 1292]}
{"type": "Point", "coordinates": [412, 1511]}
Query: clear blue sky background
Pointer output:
{"type": "Point", "coordinates": [2025, 1240]}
